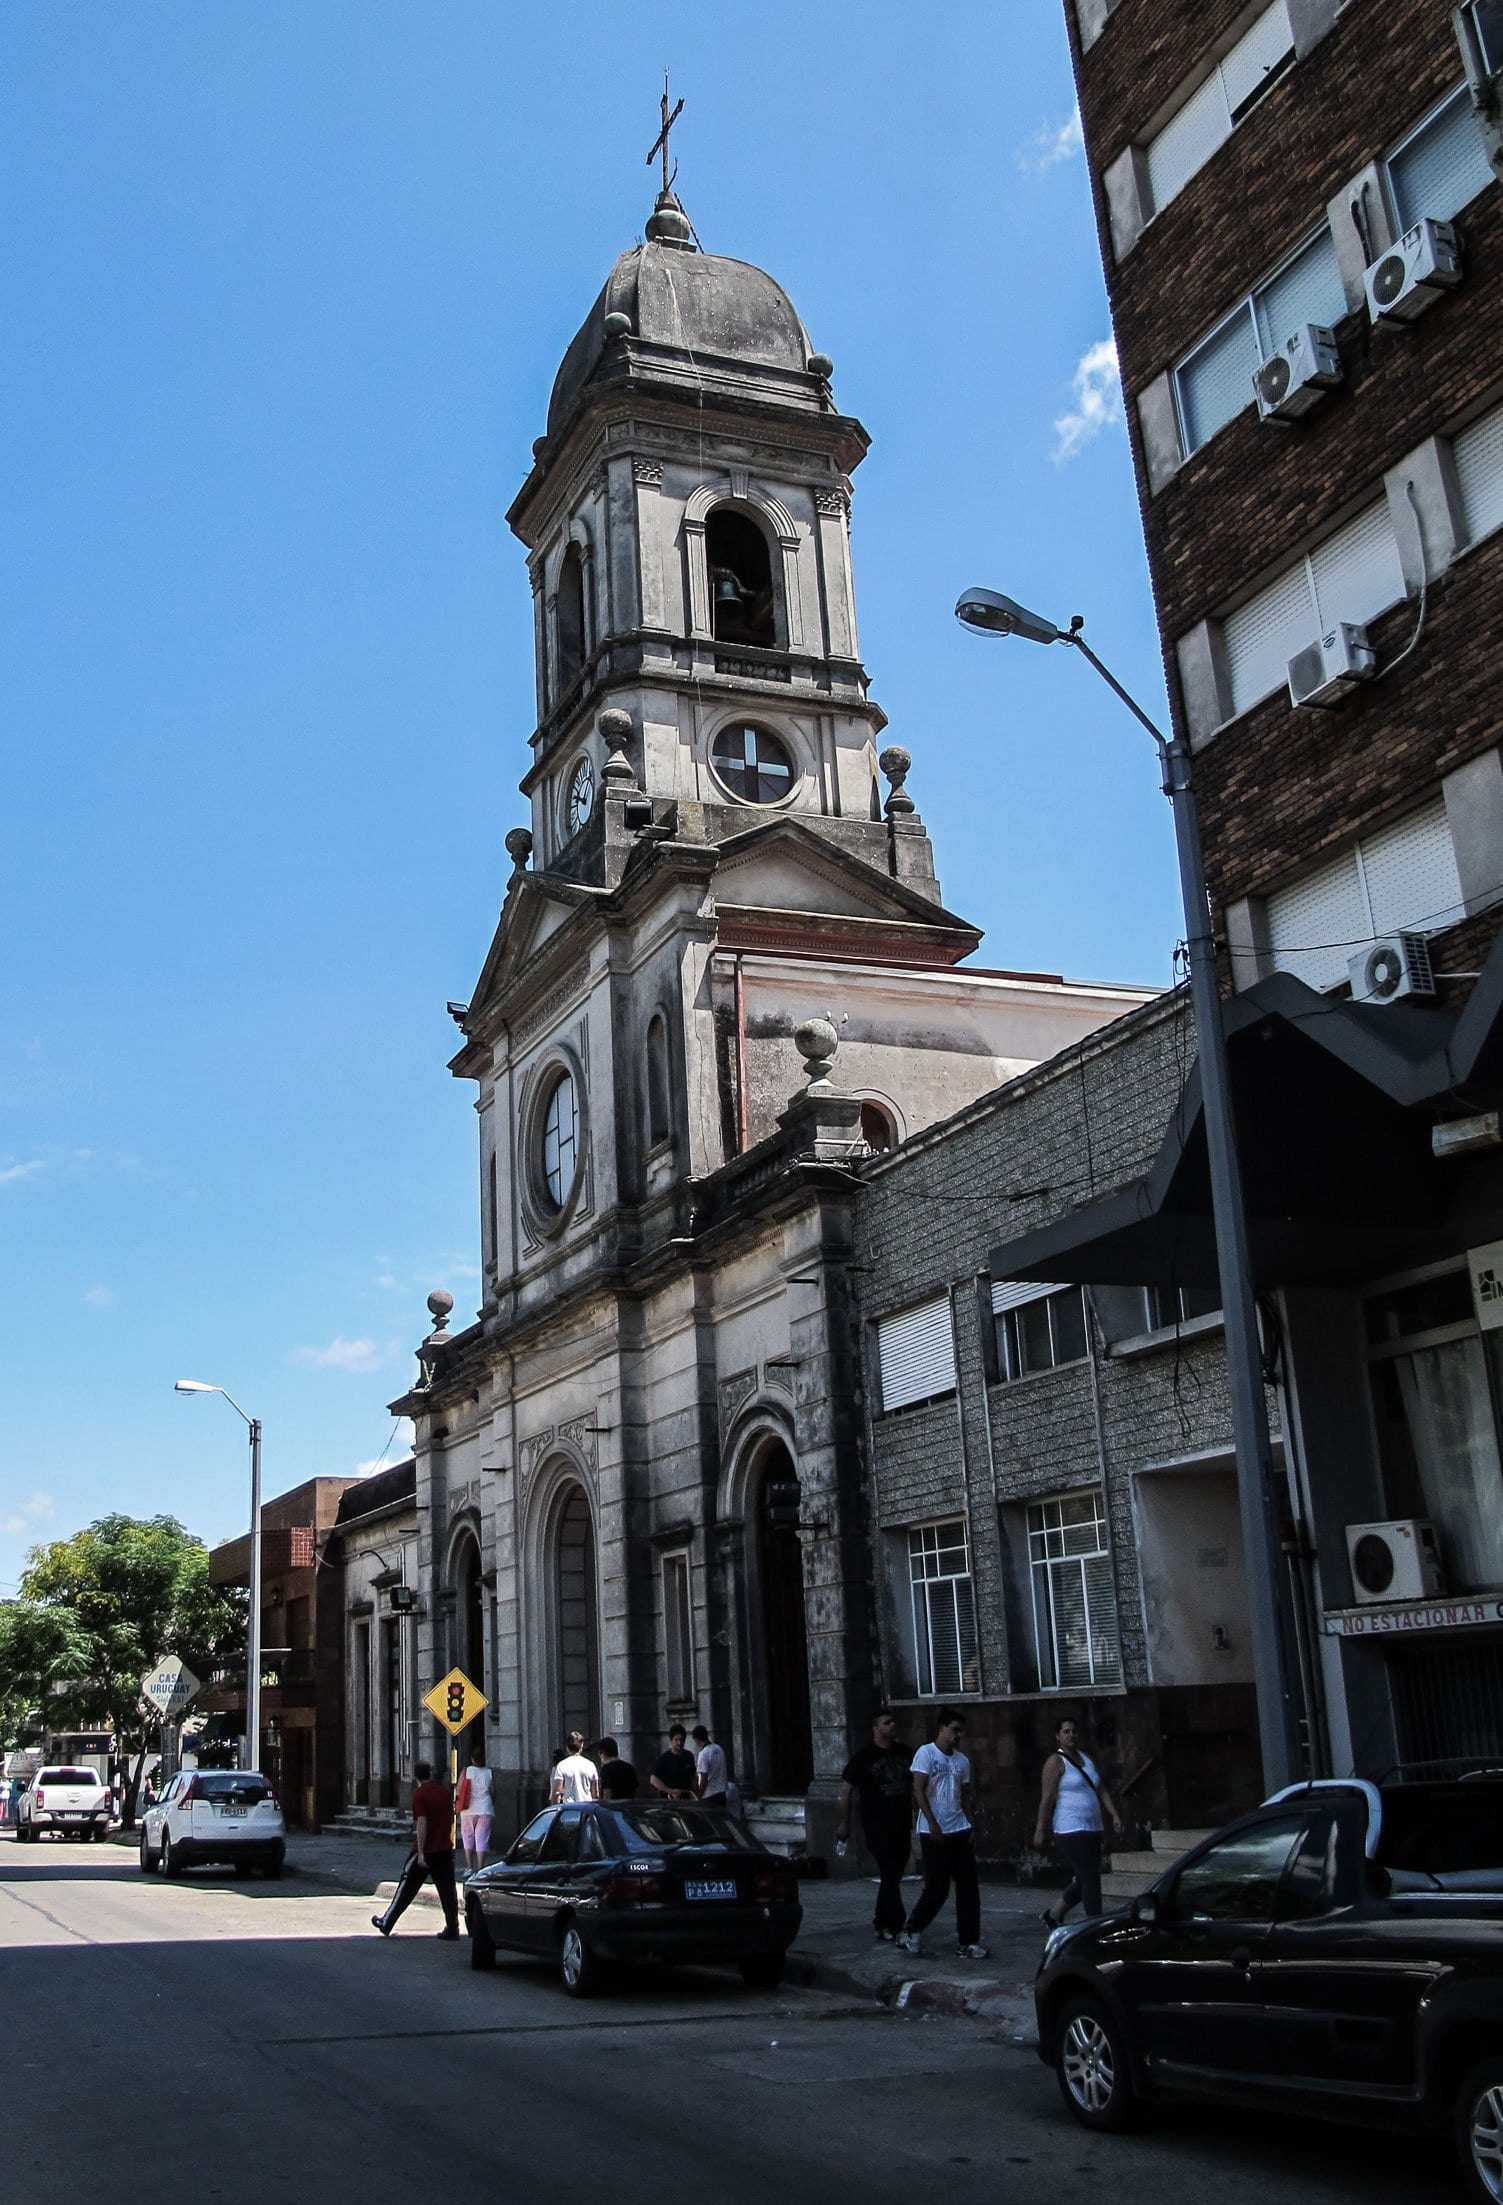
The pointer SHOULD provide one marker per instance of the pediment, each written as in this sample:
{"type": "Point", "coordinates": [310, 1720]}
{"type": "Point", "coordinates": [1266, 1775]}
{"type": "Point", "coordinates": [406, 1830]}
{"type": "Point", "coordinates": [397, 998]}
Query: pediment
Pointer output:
{"type": "Point", "coordinates": [786, 866]}
{"type": "Point", "coordinates": [538, 909]}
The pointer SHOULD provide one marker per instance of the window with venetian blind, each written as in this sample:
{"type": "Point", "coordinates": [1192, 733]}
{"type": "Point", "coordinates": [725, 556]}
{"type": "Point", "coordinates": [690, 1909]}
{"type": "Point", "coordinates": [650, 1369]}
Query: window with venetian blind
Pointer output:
{"type": "Point", "coordinates": [946, 1653]}
{"type": "Point", "coordinates": [916, 1354]}
{"type": "Point", "coordinates": [1400, 879]}
{"type": "Point", "coordinates": [1074, 1603]}
{"type": "Point", "coordinates": [1354, 575]}
{"type": "Point", "coordinates": [1213, 110]}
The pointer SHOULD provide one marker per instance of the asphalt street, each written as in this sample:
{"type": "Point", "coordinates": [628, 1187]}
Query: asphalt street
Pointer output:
{"type": "Point", "coordinates": [255, 2040]}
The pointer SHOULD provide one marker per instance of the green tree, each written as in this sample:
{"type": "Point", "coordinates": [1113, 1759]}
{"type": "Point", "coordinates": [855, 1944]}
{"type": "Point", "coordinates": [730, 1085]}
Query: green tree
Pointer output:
{"type": "Point", "coordinates": [99, 1610]}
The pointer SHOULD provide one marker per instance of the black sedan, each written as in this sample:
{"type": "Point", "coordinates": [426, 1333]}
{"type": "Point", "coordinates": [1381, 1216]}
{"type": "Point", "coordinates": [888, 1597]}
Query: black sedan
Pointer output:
{"type": "Point", "coordinates": [595, 1886]}
{"type": "Point", "coordinates": [1338, 1953]}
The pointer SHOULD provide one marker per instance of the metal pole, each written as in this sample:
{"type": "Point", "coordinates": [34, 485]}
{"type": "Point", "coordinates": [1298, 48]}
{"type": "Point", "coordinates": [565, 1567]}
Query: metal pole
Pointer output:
{"type": "Point", "coordinates": [253, 1659]}
{"type": "Point", "coordinates": [1277, 1726]}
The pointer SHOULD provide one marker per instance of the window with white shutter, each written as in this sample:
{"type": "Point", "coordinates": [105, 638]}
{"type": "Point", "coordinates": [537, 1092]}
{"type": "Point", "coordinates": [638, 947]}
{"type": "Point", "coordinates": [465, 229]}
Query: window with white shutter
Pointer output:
{"type": "Point", "coordinates": [1441, 165]}
{"type": "Point", "coordinates": [1399, 880]}
{"type": "Point", "coordinates": [916, 1352]}
{"type": "Point", "coordinates": [1479, 471]}
{"type": "Point", "coordinates": [1038, 1326]}
{"type": "Point", "coordinates": [1215, 381]}
{"type": "Point", "coordinates": [1208, 117]}
{"type": "Point", "coordinates": [1354, 575]}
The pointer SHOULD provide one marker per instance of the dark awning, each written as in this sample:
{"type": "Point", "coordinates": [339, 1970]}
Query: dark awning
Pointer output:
{"type": "Point", "coordinates": [1335, 1102]}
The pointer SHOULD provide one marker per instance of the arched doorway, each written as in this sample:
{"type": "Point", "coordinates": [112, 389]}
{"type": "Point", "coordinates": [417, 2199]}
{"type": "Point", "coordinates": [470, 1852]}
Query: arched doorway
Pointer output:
{"type": "Point", "coordinates": [469, 1631]}
{"type": "Point", "coordinates": [785, 1650]}
{"type": "Point", "coordinates": [576, 1610]}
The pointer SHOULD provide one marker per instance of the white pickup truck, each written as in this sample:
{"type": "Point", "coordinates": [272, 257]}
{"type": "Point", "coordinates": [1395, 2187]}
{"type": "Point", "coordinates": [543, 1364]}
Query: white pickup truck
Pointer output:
{"type": "Point", "coordinates": [72, 1802]}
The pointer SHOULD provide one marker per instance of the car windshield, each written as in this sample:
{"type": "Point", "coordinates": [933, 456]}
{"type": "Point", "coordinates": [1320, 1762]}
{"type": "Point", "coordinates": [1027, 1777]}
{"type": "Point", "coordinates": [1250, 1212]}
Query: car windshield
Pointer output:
{"type": "Point", "coordinates": [68, 1776]}
{"type": "Point", "coordinates": [652, 1829]}
{"type": "Point", "coordinates": [231, 1784]}
{"type": "Point", "coordinates": [1444, 1829]}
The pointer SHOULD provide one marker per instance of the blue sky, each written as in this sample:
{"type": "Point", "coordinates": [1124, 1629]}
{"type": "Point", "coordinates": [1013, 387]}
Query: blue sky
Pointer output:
{"type": "Point", "coordinates": [286, 288]}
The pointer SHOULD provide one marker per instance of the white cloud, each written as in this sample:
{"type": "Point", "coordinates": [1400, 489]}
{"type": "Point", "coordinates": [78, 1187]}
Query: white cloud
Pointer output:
{"type": "Point", "coordinates": [1096, 390]}
{"type": "Point", "coordinates": [397, 1446]}
{"type": "Point", "coordinates": [35, 1509]}
{"type": "Point", "coordinates": [99, 1297]}
{"type": "Point", "coordinates": [9, 1172]}
{"type": "Point", "coordinates": [1052, 143]}
{"type": "Point", "coordinates": [341, 1354]}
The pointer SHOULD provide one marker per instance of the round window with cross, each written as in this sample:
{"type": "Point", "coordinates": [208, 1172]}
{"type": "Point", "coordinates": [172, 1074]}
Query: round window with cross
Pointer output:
{"type": "Point", "coordinates": [753, 764]}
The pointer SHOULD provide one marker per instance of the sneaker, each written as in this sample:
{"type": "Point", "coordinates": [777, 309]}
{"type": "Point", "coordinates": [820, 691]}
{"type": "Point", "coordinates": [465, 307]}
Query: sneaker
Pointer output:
{"type": "Point", "coordinates": [972, 1952]}
{"type": "Point", "coordinates": [908, 1941]}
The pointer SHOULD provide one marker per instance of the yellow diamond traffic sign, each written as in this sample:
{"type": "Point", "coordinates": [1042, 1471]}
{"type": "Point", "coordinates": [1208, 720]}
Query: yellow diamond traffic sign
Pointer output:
{"type": "Point", "coordinates": [455, 1702]}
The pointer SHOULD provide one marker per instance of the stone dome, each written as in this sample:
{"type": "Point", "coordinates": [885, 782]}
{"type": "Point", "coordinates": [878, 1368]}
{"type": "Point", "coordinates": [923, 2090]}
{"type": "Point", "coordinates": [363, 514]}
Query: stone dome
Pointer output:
{"type": "Point", "coordinates": [698, 306]}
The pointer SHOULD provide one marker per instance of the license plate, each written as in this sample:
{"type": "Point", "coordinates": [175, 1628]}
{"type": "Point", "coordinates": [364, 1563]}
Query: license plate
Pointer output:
{"type": "Point", "coordinates": [233, 1814]}
{"type": "Point", "coordinates": [721, 1889]}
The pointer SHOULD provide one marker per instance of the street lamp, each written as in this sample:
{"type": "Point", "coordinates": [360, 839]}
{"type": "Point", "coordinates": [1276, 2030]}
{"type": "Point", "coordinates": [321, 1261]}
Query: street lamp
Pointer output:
{"type": "Point", "coordinates": [253, 1653]}
{"type": "Point", "coordinates": [992, 614]}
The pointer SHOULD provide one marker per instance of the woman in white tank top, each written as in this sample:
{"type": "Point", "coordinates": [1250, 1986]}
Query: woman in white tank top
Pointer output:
{"type": "Point", "coordinates": [477, 1791]}
{"type": "Point", "coordinates": [1071, 1805]}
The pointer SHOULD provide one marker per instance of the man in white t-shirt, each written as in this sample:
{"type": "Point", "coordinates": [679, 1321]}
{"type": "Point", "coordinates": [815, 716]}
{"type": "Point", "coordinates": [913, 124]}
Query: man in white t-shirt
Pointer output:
{"type": "Point", "coordinates": [941, 1777]}
{"type": "Point", "coordinates": [709, 1768]}
{"type": "Point", "coordinates": [576, 1779]}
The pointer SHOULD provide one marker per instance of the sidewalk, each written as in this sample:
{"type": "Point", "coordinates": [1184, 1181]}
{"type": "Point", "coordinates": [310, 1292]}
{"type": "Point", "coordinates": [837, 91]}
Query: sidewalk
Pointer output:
{"type": "Point", "coordinates": [835, 1949]}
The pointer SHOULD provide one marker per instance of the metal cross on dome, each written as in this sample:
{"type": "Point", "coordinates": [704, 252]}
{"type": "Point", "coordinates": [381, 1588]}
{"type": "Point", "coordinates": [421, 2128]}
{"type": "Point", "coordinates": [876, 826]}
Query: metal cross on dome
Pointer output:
{"type": "Point", "coordinates": [660, 143]}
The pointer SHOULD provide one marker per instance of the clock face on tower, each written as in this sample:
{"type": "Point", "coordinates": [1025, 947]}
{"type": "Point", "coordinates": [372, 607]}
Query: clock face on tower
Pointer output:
{"type": "Point", "coordinates": [581, 798]}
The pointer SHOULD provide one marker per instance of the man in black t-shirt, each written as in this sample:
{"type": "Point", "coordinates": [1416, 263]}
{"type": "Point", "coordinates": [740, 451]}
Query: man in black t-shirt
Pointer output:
{"type": "Point", "coordinates": [618, 1779]}
{"type": "Point", "coordinates": [878, 1777]}
{"type": "Point", "coordinates": [673, 1772]}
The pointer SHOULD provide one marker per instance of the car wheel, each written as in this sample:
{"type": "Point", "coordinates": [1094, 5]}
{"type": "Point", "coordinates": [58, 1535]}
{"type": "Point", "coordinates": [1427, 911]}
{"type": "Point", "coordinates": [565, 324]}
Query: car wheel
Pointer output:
{"type": "Point", "coordinates": [144, 1860]}
{"type": "Point", "coordinates": [1479, 2129]}
{"type": "Point", "coordinates": [763, 1972]}
{"type": "Point", "coordinates": [1091, 2064]}
{"type": "Point", "coordinates": [482, 1951]}
{"type": "Point", "coordinates": [581, 1971]}
{"type": "Point", "coordinates": [171, 1865]}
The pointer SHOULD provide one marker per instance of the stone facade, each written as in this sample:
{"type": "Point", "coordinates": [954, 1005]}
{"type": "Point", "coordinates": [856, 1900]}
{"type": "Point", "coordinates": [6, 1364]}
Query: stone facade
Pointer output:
{"type": "Point", "coordinates": [638, 1486]}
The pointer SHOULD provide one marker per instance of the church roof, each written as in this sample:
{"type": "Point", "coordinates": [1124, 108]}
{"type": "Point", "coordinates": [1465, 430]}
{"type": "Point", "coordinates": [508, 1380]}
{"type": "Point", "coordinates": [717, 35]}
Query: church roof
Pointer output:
{"type": "Point", "coordinates": [686, 304]}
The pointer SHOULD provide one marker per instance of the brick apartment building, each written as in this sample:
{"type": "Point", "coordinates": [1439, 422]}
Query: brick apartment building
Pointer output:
{"type": "Point", "coordinates": [1317, 184]}
{"type": "Point", "coordinates": [302, 1650]}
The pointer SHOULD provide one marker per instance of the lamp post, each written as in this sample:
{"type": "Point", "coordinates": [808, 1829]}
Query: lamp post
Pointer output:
{"type": "Point", "coordinates": [253, 1651]}
{"type": "Point", "coordinates": [993, 614]}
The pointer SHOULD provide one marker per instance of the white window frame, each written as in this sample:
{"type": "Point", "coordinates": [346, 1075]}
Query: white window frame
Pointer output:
{"type": "Point", "coordinates": [1247, 304]}
{"type": "Point", "coordinates": [1011, 1296]}
{"type": "Point", "coordinates": [678, 1629]}
{"type": "Point", "coordinates": [916, 1354]}
{"type": "Point", "coordinates": [927, 1587]}
{"type": "Point", "coordinates": [1234, 115]}
{"type": "Point", "coordinates": [1042, 1566]}
{"type": "Point", "coordinates": [1459, 94]}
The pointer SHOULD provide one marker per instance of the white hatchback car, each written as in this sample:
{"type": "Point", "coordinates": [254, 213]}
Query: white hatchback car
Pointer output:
{"type": "Point", "coordinates": [71, 1802]}
{"type": "Point", "coordinates": [228, 1815]}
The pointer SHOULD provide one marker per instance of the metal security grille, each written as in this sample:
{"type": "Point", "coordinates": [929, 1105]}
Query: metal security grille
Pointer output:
{"type": "Point", "coordinates": [946, 1657]}
{"type": "Point", "coordinates": [1074, 1605]}
{"type": "Point", "coordinates": [1448, 1702]}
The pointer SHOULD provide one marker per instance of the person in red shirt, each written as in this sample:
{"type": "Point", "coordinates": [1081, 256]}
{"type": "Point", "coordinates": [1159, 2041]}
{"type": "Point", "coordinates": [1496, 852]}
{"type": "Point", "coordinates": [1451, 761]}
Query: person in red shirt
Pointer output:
{"type": "Point", "coordinates": [432, 1855]}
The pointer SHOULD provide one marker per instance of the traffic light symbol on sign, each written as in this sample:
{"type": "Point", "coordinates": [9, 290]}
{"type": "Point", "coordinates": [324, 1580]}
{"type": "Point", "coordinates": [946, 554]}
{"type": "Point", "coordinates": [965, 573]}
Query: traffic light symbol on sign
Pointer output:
{"type": "Point", "coordinates": [455, 1702]}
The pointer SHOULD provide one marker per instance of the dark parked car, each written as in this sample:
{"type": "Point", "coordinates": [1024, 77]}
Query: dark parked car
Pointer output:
{"type": "Point", "coordinates": [639, 1881]}
{"type": "Point", "coordinates": [1339, 1952]}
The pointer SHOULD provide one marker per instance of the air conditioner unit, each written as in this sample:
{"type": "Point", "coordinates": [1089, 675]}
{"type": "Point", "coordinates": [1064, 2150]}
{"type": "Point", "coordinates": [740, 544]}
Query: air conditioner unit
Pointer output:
{"type": "Point", "coordinates": [1299, 374]}
{"type": "Point", "coordinates": [1412, 274]}
{"type": "Point", "coordinates": [1321, 674]}
{"type": "Point", "coordinates": [1396, 966]}
{"type": "Point", "coordinates": [1394, 1561]}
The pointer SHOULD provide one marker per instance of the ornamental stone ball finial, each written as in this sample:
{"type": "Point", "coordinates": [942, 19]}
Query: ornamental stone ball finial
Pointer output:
{"type": "Point", "coordinates": [895, 763]}
{"type": "Point", "coordinates": [519, 847]}
{"type": "Point", "coordinates": [616, 731]}
{"type": "Point", "coordinates": [440, 1307]}
{"type": "Point", "coordinates": [816, 1042]}
{"type": "Point", "coordinates": [440, 1304]}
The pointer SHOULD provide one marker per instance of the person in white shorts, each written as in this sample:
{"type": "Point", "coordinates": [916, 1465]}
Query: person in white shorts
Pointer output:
{"type": "Point", "coordinates": [477, 1807]}
{"type": "Point", "coordinates": [576, 1778]}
